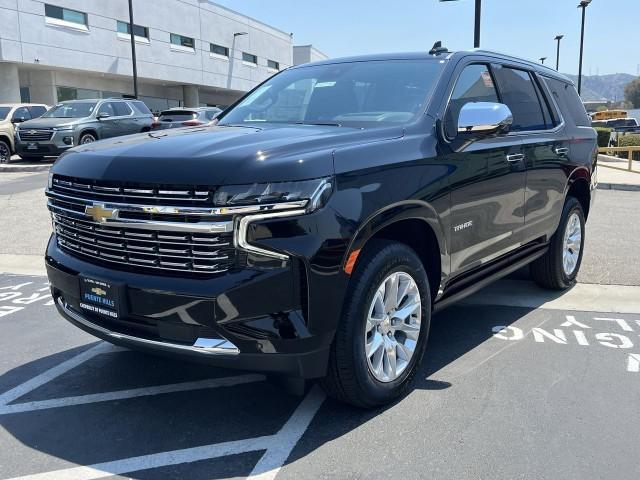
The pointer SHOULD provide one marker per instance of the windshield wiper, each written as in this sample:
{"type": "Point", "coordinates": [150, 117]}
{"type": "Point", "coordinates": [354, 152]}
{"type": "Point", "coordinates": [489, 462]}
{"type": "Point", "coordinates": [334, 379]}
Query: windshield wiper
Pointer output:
{"type": "Point", "coordinates": [328, 124]}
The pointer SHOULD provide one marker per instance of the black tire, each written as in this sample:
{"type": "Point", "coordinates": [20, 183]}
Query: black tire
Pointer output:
{"type": "Point", "coordinates": [86, 138]}
{"type": "Point", "coordinates": [548, 271]}
{"type": "Point", "coordinates": [5, 152]}
{"type": "Point", "coordinates": [349, 378]}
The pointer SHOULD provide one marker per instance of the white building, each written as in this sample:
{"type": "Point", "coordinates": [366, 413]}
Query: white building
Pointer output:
{"type": "Point", "coordinates": [189, 52]}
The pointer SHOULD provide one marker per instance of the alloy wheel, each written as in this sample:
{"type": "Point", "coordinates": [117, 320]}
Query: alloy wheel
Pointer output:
{"type": "Point", "coordinates": [572, 244]}
{"type": "Point", "coordinates": [393, 326]}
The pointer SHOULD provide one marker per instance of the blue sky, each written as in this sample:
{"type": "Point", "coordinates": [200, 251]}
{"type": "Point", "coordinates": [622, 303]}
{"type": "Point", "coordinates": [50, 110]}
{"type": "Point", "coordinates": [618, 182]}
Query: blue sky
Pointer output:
{"type": "Point", "coordinates": [524, 28]}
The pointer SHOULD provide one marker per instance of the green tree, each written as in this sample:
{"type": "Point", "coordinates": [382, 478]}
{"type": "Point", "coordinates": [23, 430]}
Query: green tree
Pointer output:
{"type": "Point", "coordinates": [632, 92]}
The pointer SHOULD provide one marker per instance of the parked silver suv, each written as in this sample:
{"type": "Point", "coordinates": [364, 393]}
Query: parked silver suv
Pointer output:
{"type": "Point", "coordinates": [77, 122]}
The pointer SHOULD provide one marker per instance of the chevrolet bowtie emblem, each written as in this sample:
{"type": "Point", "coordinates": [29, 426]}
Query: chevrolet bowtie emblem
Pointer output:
{"type": "Point", "coordinates": [98, 291]}
{"type": "Point", "coordinates": [101, 214]}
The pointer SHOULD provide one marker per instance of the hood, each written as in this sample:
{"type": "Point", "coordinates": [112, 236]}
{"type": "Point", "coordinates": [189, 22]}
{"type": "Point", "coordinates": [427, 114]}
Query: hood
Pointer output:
{"type": "Point", "coordinates": [217, 155]}
{"type": "Point", "coordinates": [50, 122]}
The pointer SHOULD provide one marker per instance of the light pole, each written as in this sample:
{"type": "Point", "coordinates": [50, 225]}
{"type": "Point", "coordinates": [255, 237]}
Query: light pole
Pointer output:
{"type": "Point", "coordinates": [558, 38]}
{"type": "Point", "coordinates": [133, 51]}
{"type": "Point", "coordinates": [542, 59]}
{"type": "Point", "coordinates": [476, 31]}
{"type": "Point", "coordinates": [583, 4]}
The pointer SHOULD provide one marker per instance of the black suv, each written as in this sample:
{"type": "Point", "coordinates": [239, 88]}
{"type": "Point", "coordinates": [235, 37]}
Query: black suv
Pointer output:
{"type": "Point", "coordinates": [313, 232]}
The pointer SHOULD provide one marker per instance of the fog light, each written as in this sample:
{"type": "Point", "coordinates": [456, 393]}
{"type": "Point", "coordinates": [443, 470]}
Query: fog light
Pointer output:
{"type": "Point", "coordinates": [68, 140]}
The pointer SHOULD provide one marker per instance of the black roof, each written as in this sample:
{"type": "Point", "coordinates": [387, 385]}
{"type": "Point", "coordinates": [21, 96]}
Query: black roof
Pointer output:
{"type": "Point", "coordinates": [542, 69]}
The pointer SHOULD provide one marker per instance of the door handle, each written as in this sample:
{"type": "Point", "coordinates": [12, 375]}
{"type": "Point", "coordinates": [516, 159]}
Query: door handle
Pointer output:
{"type": "Point", "coordinates": [562, 151]}
{"type": "Point", "coordinates": [515, 157]}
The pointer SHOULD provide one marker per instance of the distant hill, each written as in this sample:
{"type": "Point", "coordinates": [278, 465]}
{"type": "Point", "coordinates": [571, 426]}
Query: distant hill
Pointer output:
{"type": "Point", "coordinates": [600, 87]}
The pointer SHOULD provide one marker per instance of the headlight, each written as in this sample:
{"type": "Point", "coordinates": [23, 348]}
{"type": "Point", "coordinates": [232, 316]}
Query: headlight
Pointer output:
{"type": "Point", "coordinates": [63, 129]}
{"type": "Point", "coordinates": [264, 201]}
{"type": "Point", "coordinates": [50, 181]}
{"type": "Point", "coordinates": [307, 194]}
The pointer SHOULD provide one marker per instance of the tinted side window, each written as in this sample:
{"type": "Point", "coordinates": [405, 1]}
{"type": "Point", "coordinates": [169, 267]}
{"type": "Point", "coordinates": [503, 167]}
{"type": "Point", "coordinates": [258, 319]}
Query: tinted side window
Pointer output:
{"type": "Point", "coordinates": [107, 108]}
{"type": "Point", "coordinates": [22, 112]}
{"type": "Point", "coordinates": [475, 84]}
{"type": "Point", "coordinates": [519, 94]}
{"type": "Point", "coordinates": [122, 109]}
{"type": "Point", "coordinates": [37, 111]}
{"type": "Point", "coordinates": [569, 101]}
{"type": "Point", "coordinates": [142, 108]}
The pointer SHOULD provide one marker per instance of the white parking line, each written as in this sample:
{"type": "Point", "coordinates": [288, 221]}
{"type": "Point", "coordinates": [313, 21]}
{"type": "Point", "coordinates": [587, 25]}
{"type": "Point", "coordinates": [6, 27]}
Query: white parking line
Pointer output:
{"type": "Point", "coordinates": [287, 438]}
{"type": "Point", "coordinates": [278, 448]}
{"type": "Point", "coordinates": [55, 372]}
{"type": "Point", "coordinates": [155, 460]}
{"type": "Point", "coordinates": [131, 393]}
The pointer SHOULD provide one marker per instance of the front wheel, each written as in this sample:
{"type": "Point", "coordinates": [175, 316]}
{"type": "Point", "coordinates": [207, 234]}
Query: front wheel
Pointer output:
{"type": "Point", "coordinates": [5, 152]}
{"type": "Point", "coordinates": [558, 268]}
{"type": "Point", "coordinates": [87, 138]}
{"type": "Point", "coordinates": [383, 331]}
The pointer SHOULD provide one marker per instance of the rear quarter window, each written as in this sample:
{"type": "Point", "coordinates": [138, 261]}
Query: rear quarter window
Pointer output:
{"type": "Point", "coordinates": [142, 108]}
{"type": "Point", "coordinates": [569, 101]}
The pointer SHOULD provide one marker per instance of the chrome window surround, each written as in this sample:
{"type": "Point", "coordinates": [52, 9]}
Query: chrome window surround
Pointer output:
{"type": "Point", "coordinates": [203, 346]}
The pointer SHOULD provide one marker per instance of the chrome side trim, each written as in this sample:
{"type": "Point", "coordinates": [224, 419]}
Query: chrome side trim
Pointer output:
{"type": "Point", "coordinates": [203, 346]}
{"type": "Point", "coordinates": [177, 210]}
{"type": "Point", "coordinates": [242, 242]}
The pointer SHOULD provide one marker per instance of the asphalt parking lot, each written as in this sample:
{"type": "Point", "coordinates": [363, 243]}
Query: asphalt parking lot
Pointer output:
{"type": "Point", "coordinates": [504, 392]}
{"type": "Point", "coordinates": [516, 383]}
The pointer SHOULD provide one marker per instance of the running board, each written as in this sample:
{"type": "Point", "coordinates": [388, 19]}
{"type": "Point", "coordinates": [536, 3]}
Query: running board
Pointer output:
{"type": "Point", "coordinates": [482, 282]}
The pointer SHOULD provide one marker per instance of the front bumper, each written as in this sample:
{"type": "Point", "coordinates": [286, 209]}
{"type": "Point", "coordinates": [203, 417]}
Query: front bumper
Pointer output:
{"type": "Point", "coordinates": [251, 319]}
{"type": "Point", "coordinates": [41, 148]}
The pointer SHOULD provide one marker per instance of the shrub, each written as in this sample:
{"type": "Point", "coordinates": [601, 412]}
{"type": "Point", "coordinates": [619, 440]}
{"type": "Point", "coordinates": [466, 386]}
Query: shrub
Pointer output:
{"type": "Point", "coordinates": [603, 136]}
{"type": "Point", "coordinates": [630, 140]}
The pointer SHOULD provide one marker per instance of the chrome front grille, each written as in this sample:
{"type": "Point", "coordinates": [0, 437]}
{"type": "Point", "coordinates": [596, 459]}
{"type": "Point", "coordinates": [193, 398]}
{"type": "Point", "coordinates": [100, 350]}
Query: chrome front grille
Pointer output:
{"type": "Point", "coordinates": [146, 193]}
{"type": "Point", "coordinates": [129, 235]}
{"type": "Point", "coordinates": [35, 134]}
{"type": "Point", "coordinates": [205, 253]}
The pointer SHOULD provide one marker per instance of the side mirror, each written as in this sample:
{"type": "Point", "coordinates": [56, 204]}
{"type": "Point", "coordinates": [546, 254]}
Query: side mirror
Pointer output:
{"type": "Point", "coordinates": [482, 119]}
{"type": "Point", "coordinates": [18, 120]}
{"type": "Point", "coordinates": [103, 115]}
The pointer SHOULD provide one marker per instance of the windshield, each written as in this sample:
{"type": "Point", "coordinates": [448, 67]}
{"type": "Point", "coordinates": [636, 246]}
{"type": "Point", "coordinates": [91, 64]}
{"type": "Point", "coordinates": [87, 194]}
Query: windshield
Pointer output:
{"type": "Point", "coordinates": [71, 110]}
{"type": "Point", "coordinates": [4, 111]}
{"type": "Point", "coordinates": [351, 94]}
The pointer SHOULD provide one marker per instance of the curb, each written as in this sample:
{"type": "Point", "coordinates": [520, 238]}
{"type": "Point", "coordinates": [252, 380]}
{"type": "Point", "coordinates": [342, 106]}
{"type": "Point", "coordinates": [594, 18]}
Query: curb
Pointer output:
{"type": "Point", "coordinates": [26, 168]}
{"type": "Point", "coordinates": [619, 186]}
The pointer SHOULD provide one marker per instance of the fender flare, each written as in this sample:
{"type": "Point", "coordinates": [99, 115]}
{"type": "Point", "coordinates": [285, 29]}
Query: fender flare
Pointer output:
{"type": "Point", "coordinates": [406, 210]}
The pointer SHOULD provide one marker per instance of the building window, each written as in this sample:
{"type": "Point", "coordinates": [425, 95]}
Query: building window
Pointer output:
{"type": "Point", "coordinates": [249, 58]}
{"type": "Point", "coordinates": [272, 64]}
{"type": "Point", "coordinates": [65, 17]}
{"type": "Point", "coordinates": [71, 93]}
{"type": "Point", "coordinates": [139, 32]}
{"type": "Point", "coordinates": [179, 42]}
{"type": "Point", "coordinates": [25, 95]}
{"type": "Point", "coordinates": [219, 50]}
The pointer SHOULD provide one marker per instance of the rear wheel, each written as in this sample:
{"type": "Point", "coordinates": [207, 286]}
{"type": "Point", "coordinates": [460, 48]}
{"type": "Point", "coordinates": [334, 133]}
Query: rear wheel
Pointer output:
{"type": "Point", "coordinates": [383, 332]}
{"type": "Point", "coordinates": [558, 268]}
{"type": "Point", "coordinates": [5, 152]}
